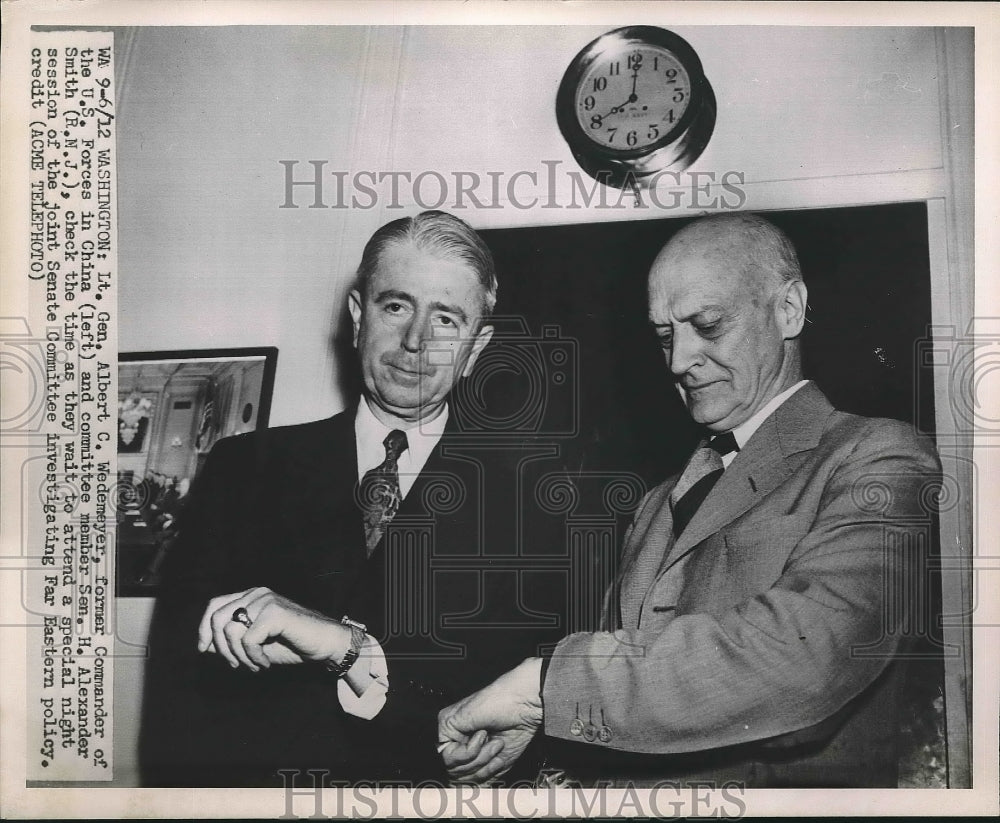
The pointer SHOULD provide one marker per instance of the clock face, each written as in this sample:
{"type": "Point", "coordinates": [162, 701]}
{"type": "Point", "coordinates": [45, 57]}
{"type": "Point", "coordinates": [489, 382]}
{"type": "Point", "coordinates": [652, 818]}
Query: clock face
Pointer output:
{"type": "Point", "coordinates": [628, 99]}
{"type": "Point", "coordinates": [633, 102]}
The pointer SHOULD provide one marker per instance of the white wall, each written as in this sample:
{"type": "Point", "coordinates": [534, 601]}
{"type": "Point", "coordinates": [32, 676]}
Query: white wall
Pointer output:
{"type": "Point", "coordinates": [818, 116]}
{"type": "Point", "coordinates": [209, 259]}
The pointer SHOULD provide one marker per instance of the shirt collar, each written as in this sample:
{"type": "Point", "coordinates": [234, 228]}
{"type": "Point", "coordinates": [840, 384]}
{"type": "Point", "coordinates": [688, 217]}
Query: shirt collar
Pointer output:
{"type": "Point", "coordinates": [746, 429]}
{"type": "Point", "coordinates": [421, 439]}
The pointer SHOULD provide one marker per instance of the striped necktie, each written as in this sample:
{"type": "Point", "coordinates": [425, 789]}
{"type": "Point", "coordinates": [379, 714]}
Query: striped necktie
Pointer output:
{"type": "Point", "coordinates": [701, 473]}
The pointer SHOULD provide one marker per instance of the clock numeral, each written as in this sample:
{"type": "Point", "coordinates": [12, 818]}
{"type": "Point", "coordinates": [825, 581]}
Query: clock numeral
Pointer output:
{"type": "Point", "coordinates": [678, 95]}
{"type": "Point", "coordinates": [589, 102]}
{"type": "Point", "coordinates": [595, 121]}
{"type": "Point", "coordinates": [615, 68]}
{"type": "Point", "coordinates": [600, 83]}
{"type": "Point", "coordinates": [632, 138]}
{"type": "Point", "coordinates": [635, 61]}
{"type": "Point", "coordinates": [671, 75]}
{"type": "Point", "coordinates": [611, 133]}
{"type": "Point", "coordinates": [653, 132]}
{"type": "Point", "coordinates": [656, 63]}
{"type": "Point", "coordinates": [670, 116]}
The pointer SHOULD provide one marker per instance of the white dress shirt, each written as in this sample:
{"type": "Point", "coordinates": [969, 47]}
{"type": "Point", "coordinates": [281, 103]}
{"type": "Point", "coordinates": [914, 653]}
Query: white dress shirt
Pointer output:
{"type": "Point", "coordinates": [370, 434]}
{"type": "Point", "coordinates": [362, 692]}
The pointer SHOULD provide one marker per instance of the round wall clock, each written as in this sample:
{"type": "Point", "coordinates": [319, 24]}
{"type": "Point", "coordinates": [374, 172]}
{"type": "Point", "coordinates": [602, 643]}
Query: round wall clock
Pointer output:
{"type": "Point", "coordinates": [635, 101]}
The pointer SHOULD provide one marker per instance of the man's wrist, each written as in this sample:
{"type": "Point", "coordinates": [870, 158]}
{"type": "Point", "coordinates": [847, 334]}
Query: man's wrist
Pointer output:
{"type": "Point", "coordinates": [362, 691]}
{"type": "Point", "coordinates": [531, 678]}
{"type": "Point", "coordinates": [341, 664]}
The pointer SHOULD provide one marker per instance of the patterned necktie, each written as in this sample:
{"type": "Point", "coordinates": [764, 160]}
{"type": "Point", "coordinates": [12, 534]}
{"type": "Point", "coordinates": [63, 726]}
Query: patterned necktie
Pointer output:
{"type": "Point", "coordinates": [701, 473]}
{"type": "Point", "coordinates": [380, 492]}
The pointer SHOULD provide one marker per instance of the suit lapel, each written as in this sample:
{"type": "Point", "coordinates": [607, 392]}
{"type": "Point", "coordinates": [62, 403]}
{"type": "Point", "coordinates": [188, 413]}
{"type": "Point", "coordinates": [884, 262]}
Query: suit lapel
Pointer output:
{"type": "Point", "coordinates": [645, 561]}
{"type": "Point", "coordinates": [322, 478]}
{"type": "Point", "coordinates": [321, 532]}
{"type": "Point", "coordinates": [761, 466]}
{"type": "Point", "coordinates": [339, 495]}
{"type": "Point", "coordinates": [755, 472]}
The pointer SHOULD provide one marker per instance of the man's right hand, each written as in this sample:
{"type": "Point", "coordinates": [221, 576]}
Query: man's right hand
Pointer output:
{"type": "Point", "coordinates": [464, 755]}
{"type": "Point", "coordinates": [509, 709]}
{"type": "Point", "coordinates": [281, 632]}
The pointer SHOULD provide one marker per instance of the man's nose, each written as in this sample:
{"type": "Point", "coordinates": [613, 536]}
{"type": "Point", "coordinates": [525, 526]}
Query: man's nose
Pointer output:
{"type": "Point", "coordinates": [685, 352]}
{"type": "Point", "coordinates": [415, 335]}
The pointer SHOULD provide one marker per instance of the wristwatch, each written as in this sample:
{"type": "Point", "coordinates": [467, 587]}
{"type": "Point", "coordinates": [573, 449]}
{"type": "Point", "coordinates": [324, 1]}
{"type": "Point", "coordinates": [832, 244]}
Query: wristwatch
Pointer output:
{"type": "Point", "coordinates": [358, 632]}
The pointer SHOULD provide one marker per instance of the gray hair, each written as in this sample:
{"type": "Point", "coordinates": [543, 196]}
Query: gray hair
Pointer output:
{"type": "Point", "coordinates": [766, 248]}
{"type": "Point", "coordinates": [439, 233]}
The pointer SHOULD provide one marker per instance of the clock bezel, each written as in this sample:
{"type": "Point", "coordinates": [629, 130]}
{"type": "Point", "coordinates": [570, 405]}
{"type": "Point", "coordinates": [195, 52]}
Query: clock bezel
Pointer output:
{"type": "Point", "coordinates": [620, 41]}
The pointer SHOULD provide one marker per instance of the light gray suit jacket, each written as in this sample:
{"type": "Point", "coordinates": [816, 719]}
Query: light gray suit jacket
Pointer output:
{"type": "Point", "coordinates": [765, 631]}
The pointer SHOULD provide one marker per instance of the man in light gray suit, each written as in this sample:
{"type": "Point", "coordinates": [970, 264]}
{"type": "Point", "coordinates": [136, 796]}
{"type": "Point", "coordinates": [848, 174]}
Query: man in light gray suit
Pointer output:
{"type": "Point", "coordinates": [753, 629]}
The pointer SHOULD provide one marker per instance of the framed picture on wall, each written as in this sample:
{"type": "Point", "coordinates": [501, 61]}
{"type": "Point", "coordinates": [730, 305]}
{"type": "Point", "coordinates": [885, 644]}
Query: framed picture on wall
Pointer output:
{"type": "Point", "coordinates": [173, 407]}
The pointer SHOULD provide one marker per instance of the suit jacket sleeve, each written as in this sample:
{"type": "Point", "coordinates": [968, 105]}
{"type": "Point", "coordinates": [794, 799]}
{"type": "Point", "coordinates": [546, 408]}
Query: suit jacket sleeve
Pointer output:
{"type": "Point", "coordinates": [778, 662]}
{"type": "Point", "coordinates": [193, 732]}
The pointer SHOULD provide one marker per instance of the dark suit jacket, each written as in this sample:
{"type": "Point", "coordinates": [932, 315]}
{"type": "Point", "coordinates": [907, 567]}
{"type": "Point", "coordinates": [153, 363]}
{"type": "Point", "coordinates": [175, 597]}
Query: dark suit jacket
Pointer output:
{"type": "Point", "coordinates": [757, 646]}
{"type": "Point", "coordinates": [441, 592]}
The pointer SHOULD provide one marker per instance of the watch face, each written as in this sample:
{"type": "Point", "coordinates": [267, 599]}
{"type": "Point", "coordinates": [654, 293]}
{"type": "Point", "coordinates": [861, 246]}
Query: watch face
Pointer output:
{"type": "Point", "coordinates": [631, 98]}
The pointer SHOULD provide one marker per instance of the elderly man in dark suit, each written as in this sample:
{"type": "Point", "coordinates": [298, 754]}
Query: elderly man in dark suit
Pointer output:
{"type": "Point", "coordinates": [303, 623]}
{"type": "Point", "coordinates": [751, 633]}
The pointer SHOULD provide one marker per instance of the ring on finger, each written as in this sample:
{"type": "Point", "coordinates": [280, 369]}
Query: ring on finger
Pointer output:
{"type": "Point", "coordinates": [241, 615]}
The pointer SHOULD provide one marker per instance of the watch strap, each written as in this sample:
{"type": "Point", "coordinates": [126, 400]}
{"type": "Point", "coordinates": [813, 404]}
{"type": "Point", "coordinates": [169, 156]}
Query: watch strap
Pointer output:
{"type": "Point", "coordinates": [358, 632]}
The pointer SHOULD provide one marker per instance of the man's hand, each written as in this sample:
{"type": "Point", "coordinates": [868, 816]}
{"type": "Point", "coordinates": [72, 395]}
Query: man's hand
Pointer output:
{"type": "Point", "coordinates": [509, 710]}
{"type": "Point", "coordinates": [282, 632]}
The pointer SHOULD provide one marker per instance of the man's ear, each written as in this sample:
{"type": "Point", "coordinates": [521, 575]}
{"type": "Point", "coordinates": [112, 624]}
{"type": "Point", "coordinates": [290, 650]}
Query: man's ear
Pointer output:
{"type": "Point", "coordinates": [790, 308]}
{"type": "Point", "coordinates": [478, 344]}
{"type": "Point", "coordinates": [354, 305]}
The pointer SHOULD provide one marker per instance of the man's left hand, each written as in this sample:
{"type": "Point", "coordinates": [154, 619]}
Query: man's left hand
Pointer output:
{"type": "Point", "coordinates": [281, 631]}
{"type": "Point", "coordinates": [509, 709]}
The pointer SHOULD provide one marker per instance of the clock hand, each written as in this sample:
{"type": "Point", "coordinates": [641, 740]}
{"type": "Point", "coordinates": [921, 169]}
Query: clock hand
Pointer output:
{"type": "Point", "coordinates": [632, 98]}
{"type": "Point", "coordinates": [615, 110]}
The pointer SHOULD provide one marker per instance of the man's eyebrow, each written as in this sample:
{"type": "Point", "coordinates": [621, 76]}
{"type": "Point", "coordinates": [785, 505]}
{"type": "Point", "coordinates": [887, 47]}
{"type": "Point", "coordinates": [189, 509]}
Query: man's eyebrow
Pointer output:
{"type": "Point", "coordinates": [393, 294]}
{"type": "Point", "coordinates": [455, 310]}
{"type": "Point", "coordinates": [703, 311]}
{"type": "Point", "coordinates": [695, 315]}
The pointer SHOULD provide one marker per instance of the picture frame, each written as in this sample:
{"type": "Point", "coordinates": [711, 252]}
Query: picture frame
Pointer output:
{"type": "Point", "coordinates": [173, 407]}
